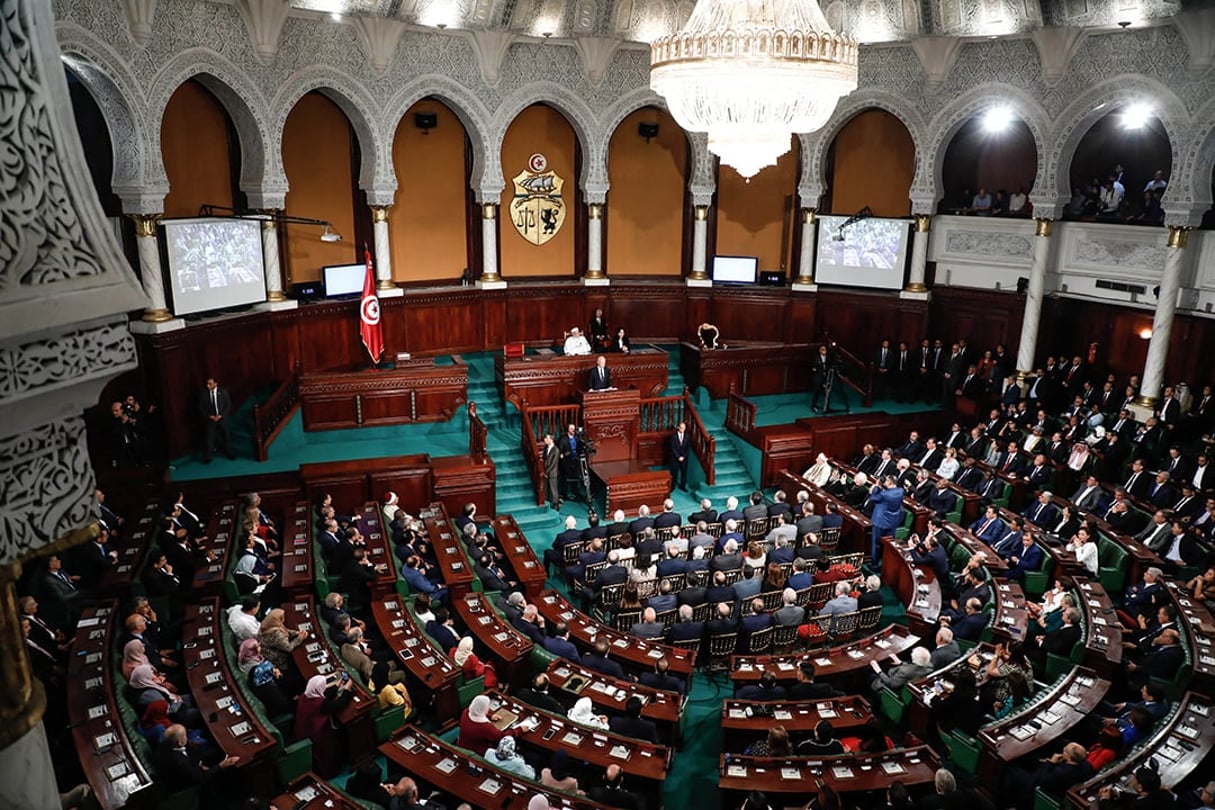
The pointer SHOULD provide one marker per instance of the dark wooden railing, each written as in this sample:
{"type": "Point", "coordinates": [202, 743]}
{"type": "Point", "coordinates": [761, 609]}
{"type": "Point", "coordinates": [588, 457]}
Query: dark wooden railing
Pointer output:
{"type": "Point", "coordinates": [477, 434]}
{"type": "Point", "coordinates": [856, 374]}
{"type": "Point", "coordinates": [740, 414]}
{"type": "Point", "coordinates": [536, 423]}
{"type": "Point", "coordinates": [271, 416]}
{"type": "Point", "coordinates": [663, 414]}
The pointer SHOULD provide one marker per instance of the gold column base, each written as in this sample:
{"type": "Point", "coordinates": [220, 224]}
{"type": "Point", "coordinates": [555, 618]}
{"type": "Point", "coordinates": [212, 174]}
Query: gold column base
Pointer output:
{"type": "Point", "coordinates": [916, 287]}
{"type": "Point", "coordinates": [491, 278]}
{"type": "Point", "coordinates": [385, 284]}
{"type": "Point", "coordinates": [1146, 402]}
{"type": "Point", "coordinates": [595, 274]}
{"type": "Point", "coordinates": [698, 275]}
{"type": "Point", "coordinates": [156, 316]}
{"type": "Point", "coordinates": [275, 295]}
{"type": "Point", "coordinates": [804, 280]}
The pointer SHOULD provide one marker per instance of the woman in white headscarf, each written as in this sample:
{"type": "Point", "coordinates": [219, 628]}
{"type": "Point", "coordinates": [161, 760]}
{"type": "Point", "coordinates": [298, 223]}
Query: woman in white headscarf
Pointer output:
{"type": "Point", "coordinates": [471, 665]}
{"type": "Point", "coordinates": [583, 713]}
{"type": "Point", "coordinates": [506, 758]}
{"type": "Point", "coordinates": [477, 729]}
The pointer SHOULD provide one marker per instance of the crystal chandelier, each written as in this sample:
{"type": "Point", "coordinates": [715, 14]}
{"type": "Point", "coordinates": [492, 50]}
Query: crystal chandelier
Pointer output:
{"type": "Point", "coordinates": [751, 73]}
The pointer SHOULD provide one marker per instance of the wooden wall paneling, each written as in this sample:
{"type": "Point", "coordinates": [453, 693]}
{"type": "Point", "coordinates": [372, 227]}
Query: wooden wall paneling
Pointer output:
{"type": "Point", "coordinates": [413, 484]}
{"type": "Point", "coordinates": [493, 321]}
{"type": "Point", "coordinates": [802, 318]}
{"type": "Point", "coordinates": [983, 317]}
{"type": "Point", "coordinates": [348, 490]}
{"type": "Point", "coordinates": [858, 321]}
{"type": "Point", "coordinates": [329, 337]}
{"type": "Point", "coordinates": [650, 311]}
{"type": "Point", "coordinates": [393, 316]}
{"type": "Point", "coordinates": [545, 313]}
{"type": "Point", "coordinates": [459, 480]}
{"type": "Point", "coordinates": [285, 337]}
{"type": "Point", "coordinates": [698, 304]}
{"type": "Point", "coordinates": [749, 314]}
{"type": "Point", "coordinates": [443, 323]}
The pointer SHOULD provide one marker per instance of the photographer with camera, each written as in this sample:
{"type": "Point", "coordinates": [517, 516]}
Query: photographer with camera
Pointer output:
{"type": "Point", "coordinates": [824, 370]}
{"type": "Point", "coordinates": [575, 452]}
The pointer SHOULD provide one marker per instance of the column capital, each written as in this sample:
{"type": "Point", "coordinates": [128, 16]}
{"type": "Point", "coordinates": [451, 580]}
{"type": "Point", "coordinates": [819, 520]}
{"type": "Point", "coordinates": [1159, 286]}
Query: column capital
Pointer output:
{"type": "Point", "coordinates": [145, 224]}
{"type": "Point", "coordinates": [1044, 226]}
{"type": "Point", "coordinates": [594, 210]}
{"type": "Point", "coordinates": [923, 223]}
{"type": "Point", "coordinates": [809, 216]}
{"type": "Point", "coordinates": [1179, 236]}
{"type": "Point", "coordinates": [700, 212]}
{"type": "Point", "coordinates": [489, 210]}
{"type": "Point", "coordinates": [379, 213]}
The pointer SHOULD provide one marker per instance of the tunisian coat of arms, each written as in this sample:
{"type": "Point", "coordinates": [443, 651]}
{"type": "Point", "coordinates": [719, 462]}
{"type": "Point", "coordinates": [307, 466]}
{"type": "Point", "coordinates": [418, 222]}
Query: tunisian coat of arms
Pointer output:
{"type": "Point", "coordinates": [537, 209]}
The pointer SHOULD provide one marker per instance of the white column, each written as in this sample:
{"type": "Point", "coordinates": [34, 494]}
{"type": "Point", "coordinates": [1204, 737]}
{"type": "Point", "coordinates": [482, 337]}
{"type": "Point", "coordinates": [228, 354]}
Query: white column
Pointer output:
{"type": "Point", "coordinates": [805, 266]}
{"type": "Point", "coordinates": [490, 280]}
{"type": "Point", "coordinates": [1162, 323]}
{"type": "Point", "coordinates": [915, 288]}
{"type": "Point", "coordinates": [275, 299]}
{"type": "Point", "coordinates": [156, 318]}
{"type": "Point", "coordinates": [1034, 294]}
{"type": "Point", "coordinates": [385, 286]}
{"type": "Point", "coordinates": [700, 248]}
{"type": "Point", "coordinates": [595, 277]}
{"type": "Point", "coordinates": [29, 775]}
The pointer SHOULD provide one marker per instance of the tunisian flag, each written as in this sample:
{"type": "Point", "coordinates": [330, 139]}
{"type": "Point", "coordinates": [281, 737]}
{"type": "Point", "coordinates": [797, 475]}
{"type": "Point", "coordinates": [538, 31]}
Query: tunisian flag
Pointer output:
{"type": "Point", "coordinates": [370, 328]}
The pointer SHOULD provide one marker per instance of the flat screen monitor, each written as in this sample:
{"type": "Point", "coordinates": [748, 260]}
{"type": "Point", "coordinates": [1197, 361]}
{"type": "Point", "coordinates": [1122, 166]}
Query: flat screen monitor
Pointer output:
{"type": "Point", "coordinates": [869, 252]}
{"type": "Point", "coordinates": [214, 263]}
{"type": "Point", "coordinates": [344, 279]}
{"type": "Point", "coordinates": [735, 269]}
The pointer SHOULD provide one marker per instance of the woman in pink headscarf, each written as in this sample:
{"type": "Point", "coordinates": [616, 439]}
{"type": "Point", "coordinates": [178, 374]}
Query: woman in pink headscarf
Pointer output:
{"type": "Point", "coordinates": [133, 655]}
{"type": "Point", "coordinates": [316, 714]}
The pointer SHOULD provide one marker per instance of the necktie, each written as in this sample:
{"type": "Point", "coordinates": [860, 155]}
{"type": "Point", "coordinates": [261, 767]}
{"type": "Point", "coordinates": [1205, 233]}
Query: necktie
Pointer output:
{"type": "Point", "coordinates": [1131, 481]}
{"type": "Point", "coordinates": [215, 400]}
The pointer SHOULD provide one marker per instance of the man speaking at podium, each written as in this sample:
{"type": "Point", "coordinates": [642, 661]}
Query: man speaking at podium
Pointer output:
{"type": "Point", "coordinates": [601, 375]}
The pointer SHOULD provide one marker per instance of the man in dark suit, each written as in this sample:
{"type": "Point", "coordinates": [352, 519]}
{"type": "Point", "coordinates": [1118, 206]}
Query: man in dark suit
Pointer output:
{"type": "Point", "coordinates": [177, 770]}
{"type": "Point", "coordinates": [720, 590]}
{"type": "Point", "coordinates": [942, 500]}
{"type": "Point", "coordinates": [214, 405]}
{"type": "Point", "coordinates": [1162, 660]}
{"type": "Point", "coordinates": [972, 624]}
{"type": "Point", "coordinates": [807, 689]}
{"type": "Point", "coordinates": [757, 619]}
{"type": "Point", "coordinates": [632, 724]}
{"type": "Point", "coordinates": [1162, 492]}
{"type": "Point", "coordinates": [598, 661]}
{"type": "Point", "coordinates": [552, 471]}
{"type": "Point", "coordinates": [537, 695]}
{"type": "Point", "coordinates": [686, 628]}
{"type": "Point", "coordinates": [1042, 512]}
{"type": "Point", "coordinates": [668, 518]}
{"type": "Point", "coordinates": [530, 624]}
{"type": "Point", "coordinates": [612, 793]}
{"type": "Point", "coordinates": [643, 522]}
{"type": "Point", "coordinates": [601, 375]}
{"type": "Point", "coordinates": [554, 557]}
{"type": "Point", "coordinates": [672, 564]}
{"type": "Point", "coordinates": [1057, 642]}
{"type": "Point", "coordinates": [723, 620]}
{"type": "Point", "coordinates": [1139, 482]}
{"type": "Point", "coordinates": [766, 689]}
{"type": "Point", "coordinates": [559, 643]}
{"type": "Point", "coordinates": [988, 527]}
{"type": "Point", "coordinates": [679, 449]}
{"type": "Point", "coordinates": [931, 554]}
{"type": "Point", "coordinates": [706, 513]}
{"type": "Point", "coordinates": [661, 678]}
{"type": "Point", "coordinates": [612, 574]}
{"type": "Point", "coordinates": [1029, 558]}
{"type": "Point", "coordinates": [441, 629]}
{"type": "Point", "coordinates": [569, 447]}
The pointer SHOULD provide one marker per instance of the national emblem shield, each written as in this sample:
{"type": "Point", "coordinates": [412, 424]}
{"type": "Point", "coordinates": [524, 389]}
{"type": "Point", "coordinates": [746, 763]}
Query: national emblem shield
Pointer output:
{"type": "Point", "coordinates": [538, 209]}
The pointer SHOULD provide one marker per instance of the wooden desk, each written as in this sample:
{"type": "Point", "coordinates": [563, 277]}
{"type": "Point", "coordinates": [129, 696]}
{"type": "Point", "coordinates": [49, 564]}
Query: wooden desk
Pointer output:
{"type": "Point", "coordinates": [414, 391]}
{"type": "Point", "coordinates": [509, 649]}
{"type": "Point", "coordinates": [298, 572]}
{"type": "Point", "coordinates": [1178, 746]}
{"type": "Point", "coordinates": [752, 368]}
{"type": "Point", "coordinates": [570, 681]}
{"type": "Point", "coordinates": [527, 568]}
{"type": "Point", "coordinates": [1010, 616]}
{"type": "Point", "coordinates": [418, 654]}
{"type": "Point", "coordinates": [434, 762]}
{"type": "Point", "coordinates": [1102, 631]}
{"type": "Point", "coordinates": [316, 657]}
{"type": "Point", "coordinates": [233, 725]}
{"type": "Point", "coordinates": [919, 715]}
{"type": "Point", "coordinates": [638, 759]}
{"type": "Point", "coordinates": [118, 579]}
{"type": "Point", "coordinates": [555, 379]}
{"type": "Point", "coordinates": [448, 550]}
{"type": "Point", "coordinates": [631, 652]}
{"type": "Point", "coordinates": [1033, 728]}
{"type": "Point", "coordinates": [837, 663]}
{"type": "Point", "coordinates": [106, 754]}
{"type": "Point", "coordinates": [221, 528]}
{"type": "Point", "coordinates": [1200, 629]}
{"type": "Point", "coordinates": [612, 420]}
{"type": "Point", "coordinates": [850, 773]}
{"type": "Point", "coordinates": [915, 585]}
{"type": "Point", "coordinates": [379, 549]}
{"type": "Point", "coordinates": [310, 792]}
{"type": "Point", "coordinates": [741, 724]}
{"type": "Point", "coordinates": [631, 484]}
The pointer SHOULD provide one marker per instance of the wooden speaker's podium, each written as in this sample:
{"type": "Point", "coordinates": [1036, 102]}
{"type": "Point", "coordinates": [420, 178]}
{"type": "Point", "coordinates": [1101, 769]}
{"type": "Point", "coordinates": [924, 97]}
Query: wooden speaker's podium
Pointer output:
{"type": "Point", "coordinates": [612, 419]}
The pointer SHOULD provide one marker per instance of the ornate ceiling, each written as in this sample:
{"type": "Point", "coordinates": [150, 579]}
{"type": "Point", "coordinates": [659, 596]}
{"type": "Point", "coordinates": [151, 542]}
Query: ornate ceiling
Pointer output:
{"type": "Point", "coordinates": [868, 20]}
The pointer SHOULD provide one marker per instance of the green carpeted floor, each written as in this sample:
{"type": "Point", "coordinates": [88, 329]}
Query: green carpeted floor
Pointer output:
{"type": "Point", "coordinates": [693, 773]}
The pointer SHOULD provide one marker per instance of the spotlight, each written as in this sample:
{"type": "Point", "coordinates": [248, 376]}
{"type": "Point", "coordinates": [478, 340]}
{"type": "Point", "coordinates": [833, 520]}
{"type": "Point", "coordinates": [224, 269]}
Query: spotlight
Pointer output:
{"type": "Point", "coordinates": [1136, 116]}
{"type": "Point", "coordinates": [425, 121]}
{"type": "Point", "coordinates": [336, 16]}
{"type": "Point", "coordinates": [647, 130]}
{"type": "Point", "coordinates": [328, 235]}
{"type": "Point", "coordinates": [997, 119]}
{"type": "Point", "coordinates": [1145, 333]}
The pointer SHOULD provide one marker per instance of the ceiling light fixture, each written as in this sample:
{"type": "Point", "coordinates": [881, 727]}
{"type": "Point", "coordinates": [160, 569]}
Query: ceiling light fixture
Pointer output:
{"type": "Point", "coordinates": [1136, 115]}
{"type": "Point", "coordinates": [329, 235]}
{"type": "Point", "coordinates": [997, 119]}
{"type": "Point", "coordinates": [751, 73]}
